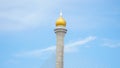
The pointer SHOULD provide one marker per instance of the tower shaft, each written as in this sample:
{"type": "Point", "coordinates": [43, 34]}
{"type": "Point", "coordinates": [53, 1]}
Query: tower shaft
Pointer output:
{"type": "Point", "coordinates": [60, 33]}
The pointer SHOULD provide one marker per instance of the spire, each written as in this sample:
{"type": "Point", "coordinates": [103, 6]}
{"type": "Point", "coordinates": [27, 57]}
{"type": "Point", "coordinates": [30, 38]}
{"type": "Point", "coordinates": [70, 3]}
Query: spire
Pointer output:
{"type": "Point", "coordinates": [61, 21]}
{"type": "Point", "coordinates": [61, 13]}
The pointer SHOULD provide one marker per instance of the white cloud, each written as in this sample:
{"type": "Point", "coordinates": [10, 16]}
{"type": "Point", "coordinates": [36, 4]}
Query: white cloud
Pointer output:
{"type": "Point", "coordinates": [111, 43]}
{"type": "Point", "coordinates": [23, 14]}
{"type": "Point", "coordinates": [71, 47]}
{"type": "Point", "coordinates": [36, 53]}
{"type": "Point", "coordinates": [19, 22]}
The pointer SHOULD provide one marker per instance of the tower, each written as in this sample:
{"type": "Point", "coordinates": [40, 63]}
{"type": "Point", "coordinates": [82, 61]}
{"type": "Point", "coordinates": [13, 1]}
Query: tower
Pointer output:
{"type": "Point", "coordinates": [60, 31]}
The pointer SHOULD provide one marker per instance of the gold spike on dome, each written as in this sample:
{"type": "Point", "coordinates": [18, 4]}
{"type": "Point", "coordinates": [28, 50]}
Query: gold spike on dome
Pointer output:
{"type": "Point", "coordinates": [61, 21]}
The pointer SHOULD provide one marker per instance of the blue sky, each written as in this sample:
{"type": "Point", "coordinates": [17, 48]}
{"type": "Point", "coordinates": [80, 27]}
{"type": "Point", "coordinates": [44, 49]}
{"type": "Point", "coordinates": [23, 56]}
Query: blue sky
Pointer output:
{"type": "Point", "coordinates": [27, 38]}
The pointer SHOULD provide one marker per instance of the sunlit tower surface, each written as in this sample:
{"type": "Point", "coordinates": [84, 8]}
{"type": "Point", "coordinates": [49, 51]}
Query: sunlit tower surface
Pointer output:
{"type": "Point", "coordinates": [60, 31]}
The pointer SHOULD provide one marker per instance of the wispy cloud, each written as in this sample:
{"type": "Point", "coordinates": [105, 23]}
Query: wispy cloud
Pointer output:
{"type": "Point", "coordinates": [71, 47]}
{"type": "Point", "coordinates": [19, 22]}
{"type": "Point", "coordinates": [111, 43]}
{"type": "Point", "coordinates": [23, 14]}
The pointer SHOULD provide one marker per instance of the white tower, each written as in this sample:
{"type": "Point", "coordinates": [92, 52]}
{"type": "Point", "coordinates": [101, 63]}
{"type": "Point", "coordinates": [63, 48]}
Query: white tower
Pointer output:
{"type": "Point", "coordinates": [60, 31]}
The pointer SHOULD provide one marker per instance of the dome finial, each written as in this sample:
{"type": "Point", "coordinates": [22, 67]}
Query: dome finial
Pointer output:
{"type": "Point", "coordinates": [61, 21]}
{"type": "Point", "coordinates": [61, 13]}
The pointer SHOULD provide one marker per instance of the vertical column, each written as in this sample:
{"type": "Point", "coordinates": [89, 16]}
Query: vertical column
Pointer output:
{"type": "Point", "coordinates": [60, 33]}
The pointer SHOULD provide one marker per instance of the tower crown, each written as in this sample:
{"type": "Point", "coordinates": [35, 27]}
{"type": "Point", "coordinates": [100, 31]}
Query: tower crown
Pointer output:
{"type": "Point", "coordinates": [60, 21]}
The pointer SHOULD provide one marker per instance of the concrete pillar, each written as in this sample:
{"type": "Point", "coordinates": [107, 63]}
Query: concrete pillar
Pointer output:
{"type": "Point", "coordinates": [60, 33]}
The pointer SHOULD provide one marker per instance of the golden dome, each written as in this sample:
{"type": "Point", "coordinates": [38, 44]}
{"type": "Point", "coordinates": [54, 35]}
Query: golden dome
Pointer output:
{"type": "Point", "coordinates": [60, 21]}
